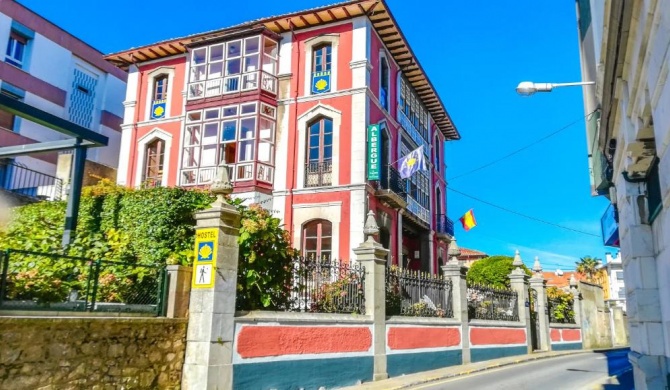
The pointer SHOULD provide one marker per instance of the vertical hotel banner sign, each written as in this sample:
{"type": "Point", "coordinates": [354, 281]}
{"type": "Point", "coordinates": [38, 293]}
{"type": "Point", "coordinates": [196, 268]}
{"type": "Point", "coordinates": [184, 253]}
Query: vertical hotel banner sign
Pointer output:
{"type": "Point", "coordinates": [206, 241]}
{"type": "Point", "coordinates": [374, 163]}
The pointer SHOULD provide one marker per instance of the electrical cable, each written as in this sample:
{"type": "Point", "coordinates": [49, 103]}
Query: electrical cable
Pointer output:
{"type": "Point", "coordinates": [522, 148]}
{"type": "Point", "coordinates": [522, 215]}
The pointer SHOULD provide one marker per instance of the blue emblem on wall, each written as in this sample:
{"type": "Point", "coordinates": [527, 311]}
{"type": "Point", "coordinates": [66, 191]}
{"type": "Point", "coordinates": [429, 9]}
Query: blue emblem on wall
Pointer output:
{"type": "Point", "coordinates": [158, 109]}
{"type": "Point", "coordinates": [205, 251]}
{"type": "Point", "coordinates": [321, 82]}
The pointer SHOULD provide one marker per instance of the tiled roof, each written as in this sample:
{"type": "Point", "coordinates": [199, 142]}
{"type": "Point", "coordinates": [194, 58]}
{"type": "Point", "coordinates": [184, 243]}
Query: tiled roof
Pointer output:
{"type": "Point", "coordinates": [560, 280]}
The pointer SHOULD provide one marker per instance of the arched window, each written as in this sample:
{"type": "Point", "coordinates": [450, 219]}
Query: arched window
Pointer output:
{"type": "Point", "coordinates": [160, 87]}
{"type": "Point", "coordinates": [317, 239]}
{"type": "Point", "coordinates": [438, 153]}
{"type": "Point", "coordinates": [322, 58]}
{"type": "Point", "coordinates": [319, 165]}
{"type": "Point", "coordinates": [153, 163]}
{"type": "Point", "coordinates": [384, 83]}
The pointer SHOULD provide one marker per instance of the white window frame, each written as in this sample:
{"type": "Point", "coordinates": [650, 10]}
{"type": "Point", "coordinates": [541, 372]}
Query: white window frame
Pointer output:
{"type": "Point", "coordinates": [151, 79]}
{"type": "Point", "coordinates": [142, 143]}
{"type": "Point", "coordinates": [334, 40]}
{"type": "Point", "coordinates": [307, 117]}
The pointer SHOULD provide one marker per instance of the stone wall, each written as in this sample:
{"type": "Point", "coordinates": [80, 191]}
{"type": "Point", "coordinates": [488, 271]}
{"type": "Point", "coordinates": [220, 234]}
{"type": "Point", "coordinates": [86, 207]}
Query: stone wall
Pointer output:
{"type": "Point", "coordinates": [596, 329]}
{"type": "Point", "coordinates": [91, 353]}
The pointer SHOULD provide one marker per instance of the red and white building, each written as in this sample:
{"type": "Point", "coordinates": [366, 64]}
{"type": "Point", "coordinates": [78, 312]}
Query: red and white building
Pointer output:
{"type": "Point", "coordinates": [286, 104]}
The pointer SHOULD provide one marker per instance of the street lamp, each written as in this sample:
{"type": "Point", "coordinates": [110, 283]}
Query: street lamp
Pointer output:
{"type": "Point", "coordinates": [527, 88]}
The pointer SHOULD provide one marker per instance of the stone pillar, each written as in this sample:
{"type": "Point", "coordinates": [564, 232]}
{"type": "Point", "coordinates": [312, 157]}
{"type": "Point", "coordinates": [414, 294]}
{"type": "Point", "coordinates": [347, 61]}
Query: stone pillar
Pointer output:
{"type": "Point", "coordinates": [459, 301]}
{"type": "Point", "coordinates": [179, 291]}
{"type": "Point", "coordinates": [538, 284]}
{"type": "Point", "coordinates": [431, 252]}
{"type": "Point", "coordinates": [577, 303]}
{"type": "Point", "coordinates": [211, 326]}
{"type": "Point", "coordinates": [399, 237]}
{"type": "Point", "coordinates": [519, 283]}
{"type": "Point", "coordinates": [372, 256]}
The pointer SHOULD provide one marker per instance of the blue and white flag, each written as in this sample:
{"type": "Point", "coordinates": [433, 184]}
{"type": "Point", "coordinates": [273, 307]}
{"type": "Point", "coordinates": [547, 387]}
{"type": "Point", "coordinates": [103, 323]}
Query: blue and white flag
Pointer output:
{"type": "Point", "coordinates": [412, 162]}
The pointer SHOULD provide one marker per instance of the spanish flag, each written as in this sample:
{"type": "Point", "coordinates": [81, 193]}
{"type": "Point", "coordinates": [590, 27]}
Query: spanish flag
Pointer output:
{"type": "Point", "coordinates": [468, 220]}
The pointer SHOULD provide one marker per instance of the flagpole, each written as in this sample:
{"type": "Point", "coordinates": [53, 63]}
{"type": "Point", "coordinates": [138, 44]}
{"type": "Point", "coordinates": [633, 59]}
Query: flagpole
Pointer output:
{"type": "Point", "coordinates": [391, 163]}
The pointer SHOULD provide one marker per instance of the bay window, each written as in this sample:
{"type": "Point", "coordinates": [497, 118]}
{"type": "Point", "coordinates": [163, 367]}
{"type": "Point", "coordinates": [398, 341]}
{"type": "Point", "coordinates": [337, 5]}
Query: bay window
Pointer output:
{"type": "Point", "coordinates": [238, 136]}
{"type": "Point", "coordinates": [234, 66]}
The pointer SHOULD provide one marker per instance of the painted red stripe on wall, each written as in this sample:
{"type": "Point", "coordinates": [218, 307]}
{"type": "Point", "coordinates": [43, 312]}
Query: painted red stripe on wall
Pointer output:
{"type": "Point", "coordinates": [261, 341]}
{"type": "Point", "coordinates": [571, 334]}
{"type": "Point", "coordinates": [555, 335]}
{"type": "Point", "coordinates": [488, 336]}
{"type": "Point", "coordinates": [412, 338]}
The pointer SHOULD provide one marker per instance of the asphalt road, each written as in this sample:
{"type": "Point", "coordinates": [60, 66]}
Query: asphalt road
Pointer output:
{"type": "Point", "coordinates": [573, 372]}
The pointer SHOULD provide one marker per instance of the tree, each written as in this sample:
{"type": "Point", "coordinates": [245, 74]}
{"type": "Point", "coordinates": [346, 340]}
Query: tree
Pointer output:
{"type": "Point", "coordinates": [492, 271]}
{"type": "Point", "coordinates": [589, 267]}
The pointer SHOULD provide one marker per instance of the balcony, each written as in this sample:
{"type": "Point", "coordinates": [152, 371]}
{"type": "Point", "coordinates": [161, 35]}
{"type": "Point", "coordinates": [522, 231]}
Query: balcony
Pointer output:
{"type": "Point", "coordinates": [29, 184]}
{"type": "Point", "coordinates": [444, 228]}
{"type": "Point", "coordinates": [392, 188]}
{"type": "Point", "coordinates": [318, 173]}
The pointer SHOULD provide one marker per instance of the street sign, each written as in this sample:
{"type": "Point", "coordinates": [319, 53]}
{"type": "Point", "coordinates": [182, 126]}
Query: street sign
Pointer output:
{"type": "Point", "coordinates": [206, 241]}
{"type": "Point", "coordinates": [203, 276]}
{"type": "Point", "coordinates": [374, 163]}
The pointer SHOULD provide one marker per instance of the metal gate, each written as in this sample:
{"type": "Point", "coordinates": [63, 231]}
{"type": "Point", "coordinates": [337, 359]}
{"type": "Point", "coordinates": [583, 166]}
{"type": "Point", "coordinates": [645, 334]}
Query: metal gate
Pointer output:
{"type": "Point", "coordinates": [534, 319]}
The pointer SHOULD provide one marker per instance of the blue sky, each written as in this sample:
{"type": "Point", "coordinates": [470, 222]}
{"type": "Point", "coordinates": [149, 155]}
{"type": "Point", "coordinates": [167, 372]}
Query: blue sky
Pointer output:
{"type": "Point", "coordinates": [475, 53]}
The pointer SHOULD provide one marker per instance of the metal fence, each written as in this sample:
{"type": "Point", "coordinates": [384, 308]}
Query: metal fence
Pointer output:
{"type": "Point", "coordinates": [326, 286]}
{"type": "Point", "coordinates": [490, 303]}
{"type": "Point", "coordinates": [27, 182]}
{"type": "Point", "coordinates": [561, 310]}
{"type": "Point", "coordinates": [420, 294]}
{"type": "Point", "coordinates": [35, 281]}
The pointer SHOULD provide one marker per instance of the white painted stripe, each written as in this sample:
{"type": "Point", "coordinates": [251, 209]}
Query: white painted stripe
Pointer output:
{"type": "Point", "coordinates": [421, 350]}
{"type": "Point", "coordinates": [267, 359]}
{"type": "Point", "coordinates": [496, 346]}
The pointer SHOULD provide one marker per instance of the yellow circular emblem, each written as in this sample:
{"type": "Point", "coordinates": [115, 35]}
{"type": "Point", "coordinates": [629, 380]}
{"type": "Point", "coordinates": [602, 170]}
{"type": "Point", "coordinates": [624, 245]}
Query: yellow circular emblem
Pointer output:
{"type": "Point", "coordinates": [205, 251]}
{"type": "Point", "coordinates": [158, 111]}
{"type": "Point", "coordinates": [321, 84]}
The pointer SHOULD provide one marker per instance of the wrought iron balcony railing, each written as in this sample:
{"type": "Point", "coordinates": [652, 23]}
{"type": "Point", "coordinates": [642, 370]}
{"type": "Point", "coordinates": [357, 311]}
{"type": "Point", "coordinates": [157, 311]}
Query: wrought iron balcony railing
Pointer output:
{"type": "Point", "coordinates": [391, 180]}
{"type": "Point", "coordinates": [318, 173]}
{"type": "Point", "coordinates": [445, 225]}
{"type": "Point", "coordinates": [27, 182]}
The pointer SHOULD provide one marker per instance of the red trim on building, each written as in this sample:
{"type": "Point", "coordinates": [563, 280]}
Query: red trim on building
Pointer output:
{"type": "Point", "coordinates": [32, 84]}
{"type": "Point", "coordinates": [497, 336]}
{"type": "Point", "coordinates": [418, 337]}
{"type": "Point", "coordinates": [60, 37]}
{"type": "Point", "coordinates": [10, 138]}
{"type": "Point", "coordinates": [262, 341]}
{"type": "Point", "coordinates": [110, 120]}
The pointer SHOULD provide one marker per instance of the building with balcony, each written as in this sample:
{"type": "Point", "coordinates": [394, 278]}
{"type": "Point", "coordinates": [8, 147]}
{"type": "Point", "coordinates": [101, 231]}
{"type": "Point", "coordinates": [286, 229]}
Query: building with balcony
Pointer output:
{"type": "Point", "coordinates": [625, 49]}
{"type": "Point", "coordinates": [49, 69]}
{"type": "Point", "coordinates": [310, 112]}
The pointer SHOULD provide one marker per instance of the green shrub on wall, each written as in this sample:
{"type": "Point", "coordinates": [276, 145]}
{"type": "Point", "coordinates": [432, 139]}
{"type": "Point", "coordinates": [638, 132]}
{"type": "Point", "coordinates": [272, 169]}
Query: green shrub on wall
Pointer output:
{"type": "Point", "coordinates": [492, 271]}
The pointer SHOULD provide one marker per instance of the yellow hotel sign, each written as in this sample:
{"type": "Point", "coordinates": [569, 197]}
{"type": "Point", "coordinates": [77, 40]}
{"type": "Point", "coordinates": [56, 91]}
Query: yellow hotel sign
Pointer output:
{"type": "Point", "coordinates": [206, 241]}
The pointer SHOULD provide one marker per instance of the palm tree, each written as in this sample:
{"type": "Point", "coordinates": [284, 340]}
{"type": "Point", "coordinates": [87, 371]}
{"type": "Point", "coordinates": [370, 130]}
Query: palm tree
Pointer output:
{"type": "Point", "coordinates": [589, 267]}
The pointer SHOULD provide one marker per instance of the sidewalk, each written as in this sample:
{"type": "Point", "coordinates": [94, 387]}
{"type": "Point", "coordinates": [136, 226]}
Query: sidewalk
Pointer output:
{"type": "Point", "coordinates": [406, 381]}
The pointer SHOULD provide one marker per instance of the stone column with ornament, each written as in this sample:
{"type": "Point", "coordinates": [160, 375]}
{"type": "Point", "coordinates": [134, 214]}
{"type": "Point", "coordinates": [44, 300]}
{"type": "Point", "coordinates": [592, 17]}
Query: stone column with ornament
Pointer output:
{"type": "Point", "coordinates": [577, 300]}
{"type": "Point", "coordinates": [519, 283]}
{"type": "Point", "coordinates": [372, 255]}
{"type": "Point", "coordinates": [211, 326]}
{"type": "Point", "coordinates": [455, 272]}
{"type": "Point", "coordinates": [538, 284]}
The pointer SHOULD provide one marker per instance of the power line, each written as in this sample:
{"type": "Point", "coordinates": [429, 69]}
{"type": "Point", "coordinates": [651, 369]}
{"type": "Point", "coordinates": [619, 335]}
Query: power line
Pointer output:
{"type": "Point", "coordinates": [522, 215]}
{"type": "Point", "coordinates": [521, 149]}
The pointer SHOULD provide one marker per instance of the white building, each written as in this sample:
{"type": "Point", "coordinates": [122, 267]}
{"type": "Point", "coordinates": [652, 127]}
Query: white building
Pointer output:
{"type": "Point", "coordinates": [615, 280]}
{"type": "Point", "coordinates": [625, 49]}
{"type": "Point", "coordinates": [45, 67]}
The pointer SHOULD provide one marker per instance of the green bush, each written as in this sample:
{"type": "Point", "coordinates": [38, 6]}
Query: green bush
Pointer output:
{"type": "Point", "coordinates": [492, 271]}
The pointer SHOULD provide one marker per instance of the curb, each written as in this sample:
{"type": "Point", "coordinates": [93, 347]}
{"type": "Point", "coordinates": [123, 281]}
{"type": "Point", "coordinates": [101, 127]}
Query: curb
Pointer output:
{"type": "Point", "coordinates": [466, 371]}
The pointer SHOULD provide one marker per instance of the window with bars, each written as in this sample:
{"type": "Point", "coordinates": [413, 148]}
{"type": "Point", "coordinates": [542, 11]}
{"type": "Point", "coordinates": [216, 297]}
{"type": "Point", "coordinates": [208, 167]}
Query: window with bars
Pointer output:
{"type": "Point", "coordinates": [317, 239]}
{"type": "Point", "coordinates": [153, 164]}
{"type": "Point", "coordinates": [240, 136]}
{"type": "Point", "coordinates": [319, 165]}
{"type": "Point", "coordinates": [235, 66]}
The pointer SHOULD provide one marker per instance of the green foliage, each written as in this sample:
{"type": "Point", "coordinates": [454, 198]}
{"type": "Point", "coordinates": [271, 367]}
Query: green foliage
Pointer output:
{"type": "Point", "coordinates": [265, 260]}
{"type": "Point", "coordinates": [333, 297]}
{"type": "Point", "coordinates": [588, 266]}
{"type": "Point", "coordinates": [561, 302]}
{"type": "Point", "coordinates": [492, 271]}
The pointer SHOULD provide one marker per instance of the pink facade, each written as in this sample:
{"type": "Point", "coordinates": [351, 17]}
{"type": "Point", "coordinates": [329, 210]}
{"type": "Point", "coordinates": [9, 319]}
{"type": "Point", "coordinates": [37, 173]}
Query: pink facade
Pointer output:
{"type": "Point", "coordinates": [286, 108]}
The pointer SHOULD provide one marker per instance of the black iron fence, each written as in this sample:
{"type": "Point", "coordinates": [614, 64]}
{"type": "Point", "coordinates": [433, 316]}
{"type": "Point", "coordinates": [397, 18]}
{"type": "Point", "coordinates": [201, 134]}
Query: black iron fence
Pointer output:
{"type": "Point", "coordinates": [445, 225]}
{"type": "Point", "coordinates": [326, 286]}
{"type": "Point", "coordinates": [33, 281]}
{"type": "Point", "coordinates": [318, 174]}
{"type": "Point", "coordinates": [561, 310]}
{"type": "Point", "coordinates": [490, 303]}
{"type": "Point", "coordinates": [391, 180]}
{"type": "Point", "coordinates": [420, 294]}
{"type": "Point", "coordinates": [27, 182]}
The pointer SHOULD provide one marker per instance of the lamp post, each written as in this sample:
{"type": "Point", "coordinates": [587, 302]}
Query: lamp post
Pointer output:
{"type": "Point", "coordinates": [528, 88]}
